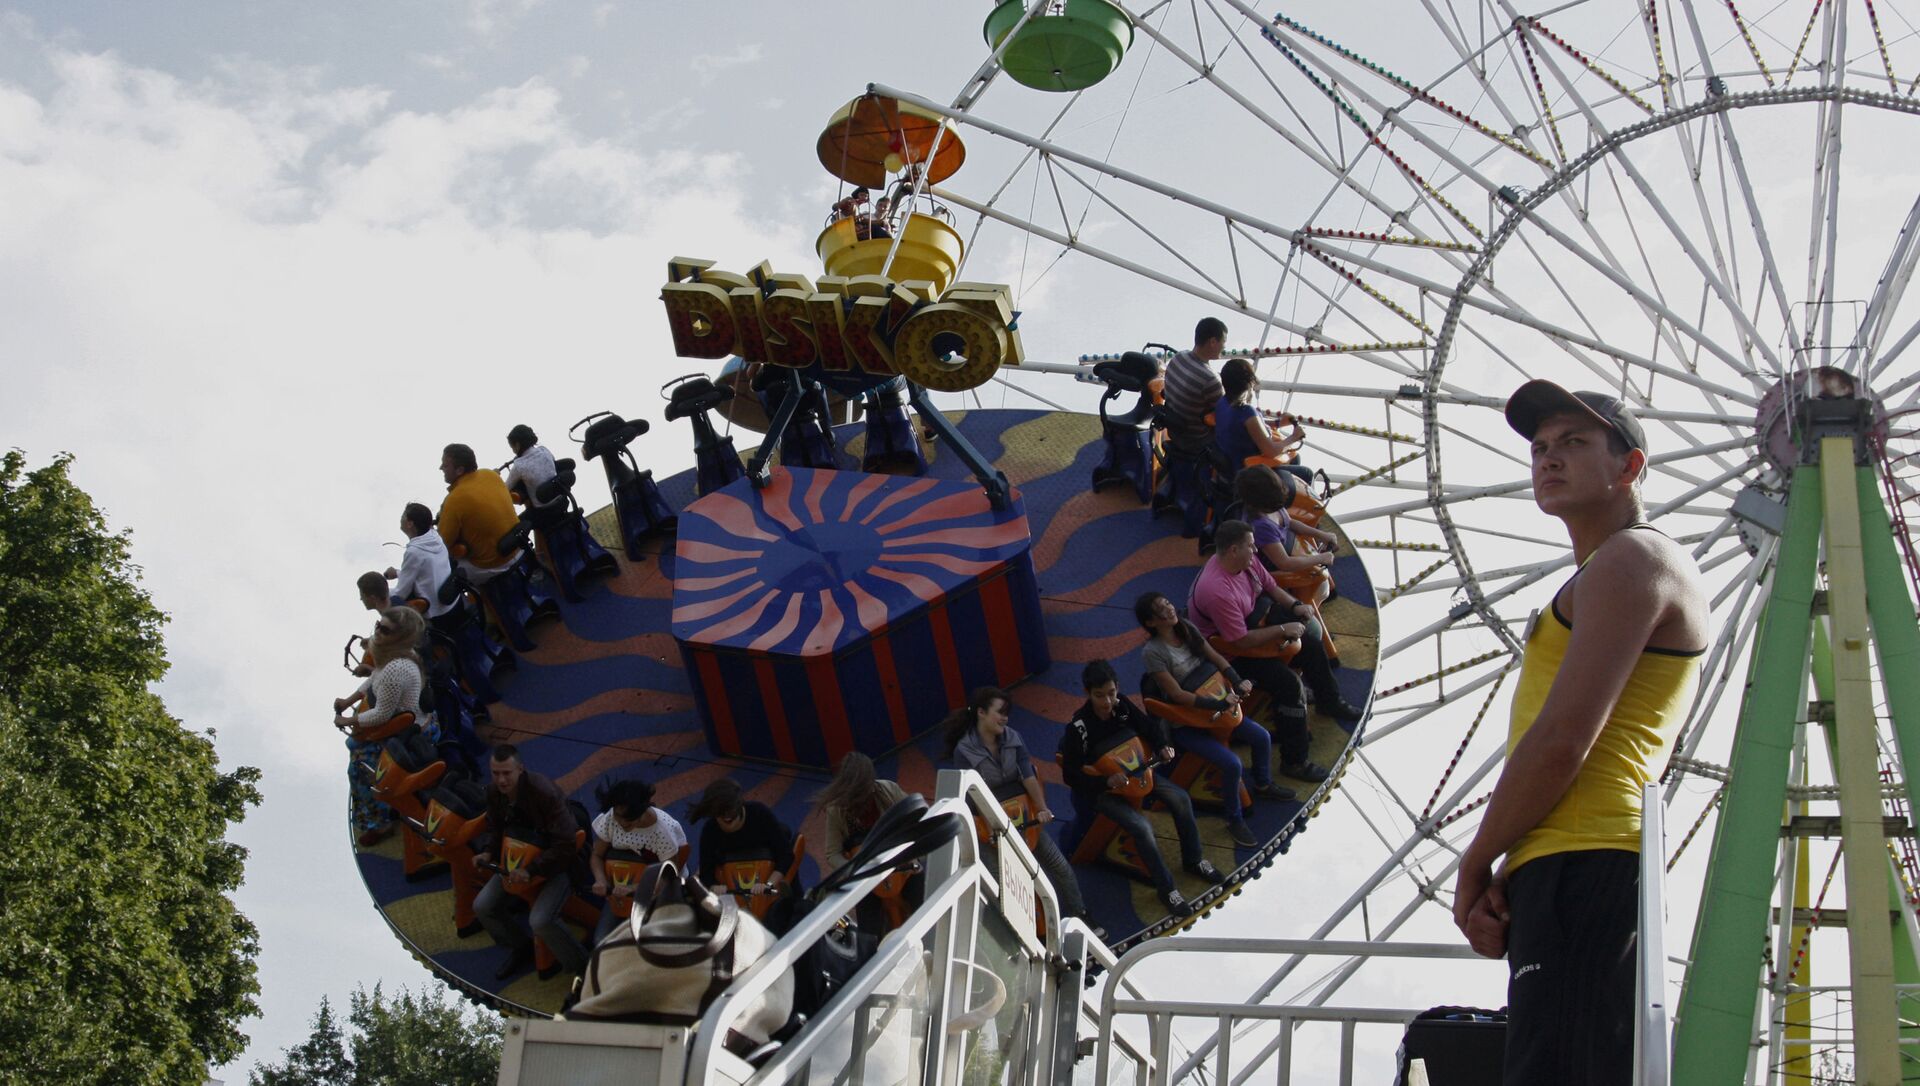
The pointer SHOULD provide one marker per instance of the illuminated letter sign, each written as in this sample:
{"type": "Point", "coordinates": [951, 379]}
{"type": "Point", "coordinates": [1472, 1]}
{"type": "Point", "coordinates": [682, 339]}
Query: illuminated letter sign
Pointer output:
{"type": "Point", "coordinates": [849, 334]}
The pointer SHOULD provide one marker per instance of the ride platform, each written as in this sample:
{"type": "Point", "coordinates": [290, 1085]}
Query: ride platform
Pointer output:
{"type": "Point", "coordinates": [607, 693]}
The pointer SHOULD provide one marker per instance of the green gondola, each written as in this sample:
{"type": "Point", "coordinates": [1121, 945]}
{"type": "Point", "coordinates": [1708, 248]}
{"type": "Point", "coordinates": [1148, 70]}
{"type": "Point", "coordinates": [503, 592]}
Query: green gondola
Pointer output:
{"type": "Point", "coordinates": [1067, 46]}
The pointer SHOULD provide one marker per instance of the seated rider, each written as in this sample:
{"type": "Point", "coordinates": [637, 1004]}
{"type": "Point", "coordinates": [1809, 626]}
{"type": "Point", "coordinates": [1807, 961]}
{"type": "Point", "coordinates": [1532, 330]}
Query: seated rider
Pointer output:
{"type": "Point", "coordinates": [531, 466]}
{"type": "Point", "coordinates": [1235, 598]}
{"type": "Point", "coordinates": [902, 191]}
{"type": "Point", "coordinates": [475, 515]}
{"type": "Point", "coordinates": [852, 802]}
{"type": "Point", "coordinates": [1239, 429]}
{"type": "Point", "coordinates": [373, 592]}
{"type": "Point", "coordinates": [1105, 721]}
{"type": "Point", "coordinates": [629, 822]}
{"type": "Point", "coordinates": [738, 830]}
{"type": "Point", "coordinates": [1192, 388]}
{"type": "Point", "coordinates": [424, 567]}
{"type": "Point", "coordinates": [1176, 661]}
{"type": "Point", "coordinates": [523, 801]}
{"type": "Point", "coordinates": [978, 737]}
{"type": "Point", "coordinates": [394, 680]}
{"type": "Point", "coordinates": [1264, 497]}
{"type": "Point", "coordinates": [880, 223]}
{"type": "Point", "coordinates": [852, 206]}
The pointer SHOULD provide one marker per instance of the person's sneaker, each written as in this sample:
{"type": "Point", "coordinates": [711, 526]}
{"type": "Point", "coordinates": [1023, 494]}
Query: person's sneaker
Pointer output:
{"type": "Point", "coordinates": [1339, 709]}
{"type": "Point", "coordinates": [1273, 790]}
{"type": "Point", "coordinates": [1176, 903]}
{"type": "Point", "coordinates": [1207, 871]}
{"type": "Point", "coordinates": [1305, 771]}
{"type": "Point", "coordinates": [1237, 829]}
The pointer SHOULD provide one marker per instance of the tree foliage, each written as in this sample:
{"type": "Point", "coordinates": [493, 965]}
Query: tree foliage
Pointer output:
{"type": "Point", "coordinates": [122, 960]}
{"type": "Point", "coordinates": [423, 1039]}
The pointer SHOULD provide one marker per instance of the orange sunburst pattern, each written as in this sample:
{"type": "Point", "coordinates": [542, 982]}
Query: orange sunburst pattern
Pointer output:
{"type": "Point", "coordinates": [819, 559]}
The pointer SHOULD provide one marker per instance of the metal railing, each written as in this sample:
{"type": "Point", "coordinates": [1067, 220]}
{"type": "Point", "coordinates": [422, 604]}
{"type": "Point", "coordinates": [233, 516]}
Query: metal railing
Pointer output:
{"type": "Point", "coordinates": [1120, 998]}
{"type": "Point", "coordinates": [1651, 1044]}
{"type": "Point", "coordinates": [910, 1005]}
{"type": "Point", "coordinates": [1163, 1014]}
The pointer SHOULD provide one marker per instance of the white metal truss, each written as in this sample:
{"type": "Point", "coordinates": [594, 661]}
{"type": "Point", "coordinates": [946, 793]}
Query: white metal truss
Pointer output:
{"type": "Point", "coordinates": [1429, 204]}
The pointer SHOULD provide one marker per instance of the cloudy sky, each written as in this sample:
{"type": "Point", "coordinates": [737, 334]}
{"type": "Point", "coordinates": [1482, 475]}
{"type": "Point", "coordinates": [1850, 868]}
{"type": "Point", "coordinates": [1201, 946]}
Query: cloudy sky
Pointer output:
{"type": "Point", "coordinates": [259, 262]}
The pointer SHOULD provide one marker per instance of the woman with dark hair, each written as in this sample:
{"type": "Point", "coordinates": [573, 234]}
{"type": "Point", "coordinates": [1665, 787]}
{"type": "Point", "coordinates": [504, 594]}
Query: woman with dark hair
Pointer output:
{"type": "Point", "coordinates": [393, 688]}
{"type": "Point", "coordinates": [1238, 428]}
{"type": "Point", "coordinates": [738, 829]}
{"type": "Point", "coordinates": [977, 737]}
{"type": "Point", "coordinates": [1176, 661]}
{"type": "Point", "coordinates": [1265, 496]}
{"type": "Point", "coordinates": [629, 822]}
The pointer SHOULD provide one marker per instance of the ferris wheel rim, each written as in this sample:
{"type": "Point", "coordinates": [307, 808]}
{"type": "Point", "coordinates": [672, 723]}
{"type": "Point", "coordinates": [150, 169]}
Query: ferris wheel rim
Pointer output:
{"type": "Point", "coordinates": [1521, 210]}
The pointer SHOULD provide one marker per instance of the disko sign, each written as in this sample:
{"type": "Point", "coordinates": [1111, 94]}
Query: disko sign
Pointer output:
{"type": "Point", "coordinates": [852, 333]}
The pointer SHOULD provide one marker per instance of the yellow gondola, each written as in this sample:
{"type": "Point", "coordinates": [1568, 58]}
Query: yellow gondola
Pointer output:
{"type": "Point", "coordinates": [929, 250]}
{"type": "Point", "coordinates": [873, 136]}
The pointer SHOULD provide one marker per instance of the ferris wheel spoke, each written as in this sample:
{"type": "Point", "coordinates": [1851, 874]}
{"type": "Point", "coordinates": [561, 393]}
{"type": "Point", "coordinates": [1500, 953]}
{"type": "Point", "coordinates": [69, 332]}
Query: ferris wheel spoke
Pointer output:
{"type": "Point", "coordinates": [1095, 193]}
{"type": "Point", "coordinates": [1376, 733]}
{"type": "Point", "coordinates": [1377, 358]}
{"type": "Point", "coordinates": [1723, 123]}
{"type": "Point", "coordinates": [1824, 225]}
{"type": "Point", "coordinates": [1319, 154]}
{"type": "Point", "coordinates": [1709, 271]}
{"type": "Point", "coordinates": [1650, 304]}
{"type": "Point", "coordinates": [1887, 296]}
{"type": "Point", "coordinates": [1497, 304]}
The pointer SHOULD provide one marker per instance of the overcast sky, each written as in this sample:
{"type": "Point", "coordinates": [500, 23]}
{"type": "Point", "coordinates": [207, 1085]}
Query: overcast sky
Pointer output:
{"type": "Point", "coordinates": [260, 261]}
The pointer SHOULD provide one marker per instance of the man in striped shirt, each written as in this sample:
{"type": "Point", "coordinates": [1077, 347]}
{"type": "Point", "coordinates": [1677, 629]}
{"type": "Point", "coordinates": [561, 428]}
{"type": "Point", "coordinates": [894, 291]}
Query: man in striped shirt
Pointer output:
{"type": "Point", "coordinates": [1193, 388]}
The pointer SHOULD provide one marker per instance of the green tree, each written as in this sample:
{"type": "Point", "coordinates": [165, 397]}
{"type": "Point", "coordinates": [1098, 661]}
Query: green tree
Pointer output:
{"type": "Point", "coordinates": [122, 960]}
{"type": "Point", "coordinates": [413, 1039]}
{"type": "Point", "coordinates": [320, 1060]}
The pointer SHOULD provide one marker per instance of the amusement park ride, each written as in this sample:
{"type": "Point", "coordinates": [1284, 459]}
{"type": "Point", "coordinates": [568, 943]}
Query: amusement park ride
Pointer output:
{"type": "Point", "coordinates": [1703, 210]}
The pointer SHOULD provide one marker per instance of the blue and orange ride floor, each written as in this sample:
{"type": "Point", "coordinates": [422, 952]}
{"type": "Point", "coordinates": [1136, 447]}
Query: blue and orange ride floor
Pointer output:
{"type": "Point", "coordinates": [606, 695]}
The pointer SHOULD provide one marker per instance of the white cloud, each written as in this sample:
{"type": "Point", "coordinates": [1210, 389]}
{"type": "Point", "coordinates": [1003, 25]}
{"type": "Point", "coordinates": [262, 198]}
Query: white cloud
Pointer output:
{"type": "Point", "coordinates": [711, 66]}
{"type": "Point", "coordinates": [490, 19]}
{"type": "Point", "coordinates": [255, 308]}
{"type": "Point", "coordinates": [434, 62]}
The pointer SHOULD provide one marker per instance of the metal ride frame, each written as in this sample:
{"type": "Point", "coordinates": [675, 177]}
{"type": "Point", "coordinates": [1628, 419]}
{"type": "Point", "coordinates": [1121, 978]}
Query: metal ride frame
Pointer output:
{"type": "Point", "coordinates": [1738, 327]}
{"type": "Point", "coordinates": [909, 1015]}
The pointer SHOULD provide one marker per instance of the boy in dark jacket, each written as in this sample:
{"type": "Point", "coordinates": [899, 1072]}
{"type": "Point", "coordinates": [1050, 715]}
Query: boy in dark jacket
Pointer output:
{"type": "Point", "coordinates": [1104, 722]}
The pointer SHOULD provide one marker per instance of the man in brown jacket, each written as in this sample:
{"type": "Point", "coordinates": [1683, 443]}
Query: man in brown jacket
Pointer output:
{"type": "Point", "coordinates": [529, 807]}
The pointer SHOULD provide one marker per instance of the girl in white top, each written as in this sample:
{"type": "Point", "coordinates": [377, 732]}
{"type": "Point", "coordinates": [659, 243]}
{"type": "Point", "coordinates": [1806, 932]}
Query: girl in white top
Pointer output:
{"type": "Point", "coordinates": [393, 688]}
{"type": "Point", "coordinates": [630, 822]}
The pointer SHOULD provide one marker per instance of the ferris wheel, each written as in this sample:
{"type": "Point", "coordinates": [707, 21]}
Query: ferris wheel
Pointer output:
{"type": "Point", "coordinates": [1700, 208]}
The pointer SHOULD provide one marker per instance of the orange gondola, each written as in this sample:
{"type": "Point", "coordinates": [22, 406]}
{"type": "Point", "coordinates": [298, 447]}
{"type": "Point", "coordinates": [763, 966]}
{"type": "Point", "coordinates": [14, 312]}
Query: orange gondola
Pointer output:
{"type": "Point", "coordinates": [874, 135]}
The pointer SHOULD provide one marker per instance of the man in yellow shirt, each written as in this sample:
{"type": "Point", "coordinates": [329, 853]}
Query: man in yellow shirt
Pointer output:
{"type": "Point", "coordinates": [477, 512]}
{"type": "Point", "coordinates": [1606, 680]}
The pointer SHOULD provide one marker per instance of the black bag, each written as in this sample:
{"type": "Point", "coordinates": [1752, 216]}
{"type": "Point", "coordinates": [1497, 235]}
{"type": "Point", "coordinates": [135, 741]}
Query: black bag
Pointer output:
{"type": "Point", "coordinates": [899, 837]}
{"type": "Point", "coordinates": [1462, 1046]}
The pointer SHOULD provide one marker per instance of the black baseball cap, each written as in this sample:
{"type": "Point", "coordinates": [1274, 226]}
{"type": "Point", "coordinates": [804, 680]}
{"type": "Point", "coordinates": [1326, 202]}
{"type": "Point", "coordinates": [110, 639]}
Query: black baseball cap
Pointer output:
{"type": "Point", "coordinates": [1538, 400]}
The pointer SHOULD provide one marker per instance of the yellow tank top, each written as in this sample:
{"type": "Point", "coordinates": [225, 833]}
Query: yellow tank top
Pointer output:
{"type": "Point", "coordinates": [1602, 807]}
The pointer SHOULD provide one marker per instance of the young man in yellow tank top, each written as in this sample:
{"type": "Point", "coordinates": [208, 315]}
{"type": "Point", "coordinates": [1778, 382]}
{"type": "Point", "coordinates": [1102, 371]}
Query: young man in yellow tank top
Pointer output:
{"type": "Point", "coordinates": [1606, 680]}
